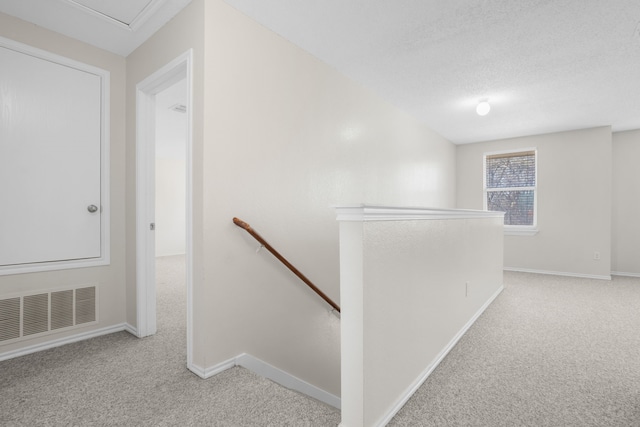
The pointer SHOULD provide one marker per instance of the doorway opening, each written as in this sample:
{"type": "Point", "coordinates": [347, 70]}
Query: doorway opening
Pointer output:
{"type": "Point", "coordinates": [170, 212]}
{"type": "Point", "coordinates": [164, 187]}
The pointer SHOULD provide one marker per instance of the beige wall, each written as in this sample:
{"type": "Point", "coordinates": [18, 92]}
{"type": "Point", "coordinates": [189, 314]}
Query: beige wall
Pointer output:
{"type": "Point", "coordinates": [626, 203]}
{"type": "Point", "coordinates": [170, 153]}
{"type": "Point", "coordinates": [410, 288]}
{"type": "Point", "coordinates": [286, 138]}
{"type": "Point", "coordinates": [574, 200]}
{"type": "Point", "coordinates": [170, 202]}
{"type": "Point", "coordinates": [110, 279]}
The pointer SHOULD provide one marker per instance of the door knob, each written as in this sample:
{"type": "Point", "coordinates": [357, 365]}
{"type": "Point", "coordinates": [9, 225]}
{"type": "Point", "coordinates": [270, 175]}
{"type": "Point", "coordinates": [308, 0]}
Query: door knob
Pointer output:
{"type": "Point", "coordinates": [92, 208]}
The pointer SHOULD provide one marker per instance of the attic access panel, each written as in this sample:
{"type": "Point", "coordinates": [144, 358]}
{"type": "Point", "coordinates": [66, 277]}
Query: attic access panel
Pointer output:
{"type": "Point", "coordinates": [125, 12]}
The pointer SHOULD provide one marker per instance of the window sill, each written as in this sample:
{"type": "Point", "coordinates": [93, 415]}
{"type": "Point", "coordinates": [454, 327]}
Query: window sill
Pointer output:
{"type": "Point", "coordinates": [520, 231]}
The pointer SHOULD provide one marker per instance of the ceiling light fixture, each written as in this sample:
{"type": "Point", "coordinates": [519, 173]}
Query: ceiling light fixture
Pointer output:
{"type": "Point", "coordinates": [483, 108]}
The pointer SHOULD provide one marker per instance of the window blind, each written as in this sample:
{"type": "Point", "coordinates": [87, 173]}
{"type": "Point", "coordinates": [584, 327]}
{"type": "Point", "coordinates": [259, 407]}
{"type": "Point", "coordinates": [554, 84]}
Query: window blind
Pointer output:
{"type": "Point", "coordinates": [510, 186]}
{"type": "Point", "coordinates": [511, 170]}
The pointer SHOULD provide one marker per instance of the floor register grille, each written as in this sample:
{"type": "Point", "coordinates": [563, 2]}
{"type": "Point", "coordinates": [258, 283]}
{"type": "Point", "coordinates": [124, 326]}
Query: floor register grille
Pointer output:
{"type": "Point", "coordinates": [29, 315]}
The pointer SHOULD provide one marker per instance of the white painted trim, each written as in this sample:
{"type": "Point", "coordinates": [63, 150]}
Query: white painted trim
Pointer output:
{"type": "Point", "coordinates": [105, 171]}
{"type": "Point", "coordinates": [395, 213]}
{"type": "Point", "coordinates": [62, 341]}
{"type": "Point", "coordinates": [93, 12]}
{"type": "Point", "coordinates": [187, 58]}
{"type": "Point", "coordinates": [521, 230]}
{"type": "Point", "coordinates": [434, 364]}
{"type": "Point", "coordinates": [286, 380]}
{"type": "Point", "coordinates": [622, 273]}
{"type": "Point", "coordinates": [259, 367]}
{"type": "Point", "coordinates": [52, 266]}
{"type": "Point", "coordinates": [510, 151]}
{"type": "Point", "coordinates": [209, 372]}
{"type": "Point", "coordinates": [352, 321]}
{"type": "Point", "coordinates": [199, 371]}
{"type": "Point", "coordinates": [557, 273]}
{"type": "Point", "coordinates": [131, 329]}
{"type": "Point", "coordinates": [515, 230]}
{"type": "Point", "coordinates": [145, 212]}
{"type": "Point", "coordinates": [181, 67]}
{"type": "Point", "coordinates": [144, 15]}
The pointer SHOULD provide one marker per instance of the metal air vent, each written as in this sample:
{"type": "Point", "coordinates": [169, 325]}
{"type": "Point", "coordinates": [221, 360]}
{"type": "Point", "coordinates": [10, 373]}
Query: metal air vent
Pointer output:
{"type": "Point", "coordinates": [9, 319]}
{"type": "Point", "coordinates": [35, 317]}
{"type": "Point", "coordinates": [46, 312]}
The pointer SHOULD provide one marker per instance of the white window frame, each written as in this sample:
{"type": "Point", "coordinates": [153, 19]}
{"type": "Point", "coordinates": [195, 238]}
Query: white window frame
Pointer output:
{"type": "Point", "coordinates": [514, 230]}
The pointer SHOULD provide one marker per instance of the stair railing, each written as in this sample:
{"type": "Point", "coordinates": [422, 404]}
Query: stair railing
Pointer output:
{"type": "Point", "coordinates": [283, 260]}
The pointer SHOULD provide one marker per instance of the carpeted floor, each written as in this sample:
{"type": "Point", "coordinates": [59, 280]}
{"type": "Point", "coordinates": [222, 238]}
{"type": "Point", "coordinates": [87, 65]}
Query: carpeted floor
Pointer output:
{"type": "Point", "coordinates": [550, 351]}
{"type": "Point", "coordinates": [120, 380]}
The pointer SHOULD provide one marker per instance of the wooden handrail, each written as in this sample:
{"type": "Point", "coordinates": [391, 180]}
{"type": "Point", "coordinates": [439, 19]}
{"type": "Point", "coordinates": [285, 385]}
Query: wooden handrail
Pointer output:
{"type": "Point", "coordinates": [283, 260]}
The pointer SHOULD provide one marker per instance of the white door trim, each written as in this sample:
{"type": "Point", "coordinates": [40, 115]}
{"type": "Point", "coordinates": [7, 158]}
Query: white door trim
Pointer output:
{"type": "Point", "coordinates": [105, 168]}
{"type": "Point", "coordinates": [146, 90]}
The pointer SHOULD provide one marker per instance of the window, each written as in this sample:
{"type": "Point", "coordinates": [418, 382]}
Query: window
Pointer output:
{"type": "Point", "coordinates": [510, 187]}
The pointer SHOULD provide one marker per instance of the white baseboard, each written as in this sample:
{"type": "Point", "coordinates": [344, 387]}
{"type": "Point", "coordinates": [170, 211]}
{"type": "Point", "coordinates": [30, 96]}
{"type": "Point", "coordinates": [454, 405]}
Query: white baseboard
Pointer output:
{"type": "Point", "coordinates": [62, 341]}
{"type": "Point", "coordinates": [430, 368]}
{"type": "Point", "coordinates": [287, 380]}
{"type": "Point", "coordinates": [133, 331]}
{"type": "Point", "coordinates": [558, 273]}
{"type": "Point", "coordinates": [181, 253]}
{"type": "Point", "coordinates": [205, 373]}
{"type": "Point", "coordinates": [198, 370]}
{"type": "Point", "coordinates": [245, 360]}
{"type": "Point", "coordinates": [266, 370]}
{"type": "Point", "coordinates": [622, 273]}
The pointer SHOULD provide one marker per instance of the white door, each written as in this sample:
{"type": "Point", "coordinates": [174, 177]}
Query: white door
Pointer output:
{"type": "Point", "coordinates": [49, 161]}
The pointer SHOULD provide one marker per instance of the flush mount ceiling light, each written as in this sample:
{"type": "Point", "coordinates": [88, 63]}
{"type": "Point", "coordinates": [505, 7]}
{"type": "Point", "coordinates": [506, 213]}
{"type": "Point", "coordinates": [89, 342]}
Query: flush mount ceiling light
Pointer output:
{"type": "Point", "coordinates": [483, 108]}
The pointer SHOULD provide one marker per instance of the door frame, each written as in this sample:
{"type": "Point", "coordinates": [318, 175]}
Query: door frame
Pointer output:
{"type": "Point", "coordinates": [104, 165]}
{"type": "Point", "coordinates": [178, 69]}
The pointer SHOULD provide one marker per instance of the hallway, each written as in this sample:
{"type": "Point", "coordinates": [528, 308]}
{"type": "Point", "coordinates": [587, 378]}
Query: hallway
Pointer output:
{"type": "Point", "coordinates": [120, 380]}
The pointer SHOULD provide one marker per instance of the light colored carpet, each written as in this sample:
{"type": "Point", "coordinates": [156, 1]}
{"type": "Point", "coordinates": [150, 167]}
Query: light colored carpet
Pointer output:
{"type": "Point", "coordinates": [120, 380]}
{"type": "Point", "coordinates": [550, 351]}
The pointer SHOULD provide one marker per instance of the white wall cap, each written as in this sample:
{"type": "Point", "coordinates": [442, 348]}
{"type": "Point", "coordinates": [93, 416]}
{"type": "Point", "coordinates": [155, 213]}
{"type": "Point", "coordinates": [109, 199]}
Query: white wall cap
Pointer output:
{"type": "Point", "coordinates": [397, 213]}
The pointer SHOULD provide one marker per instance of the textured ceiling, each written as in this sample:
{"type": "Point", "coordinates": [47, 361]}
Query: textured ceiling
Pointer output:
{"type": "Point", "coordinates": [118, 26]}
{"type": "Point", "coordinates": [123, 11]}
{"type": "Point", "coordinates": [544, 65]}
